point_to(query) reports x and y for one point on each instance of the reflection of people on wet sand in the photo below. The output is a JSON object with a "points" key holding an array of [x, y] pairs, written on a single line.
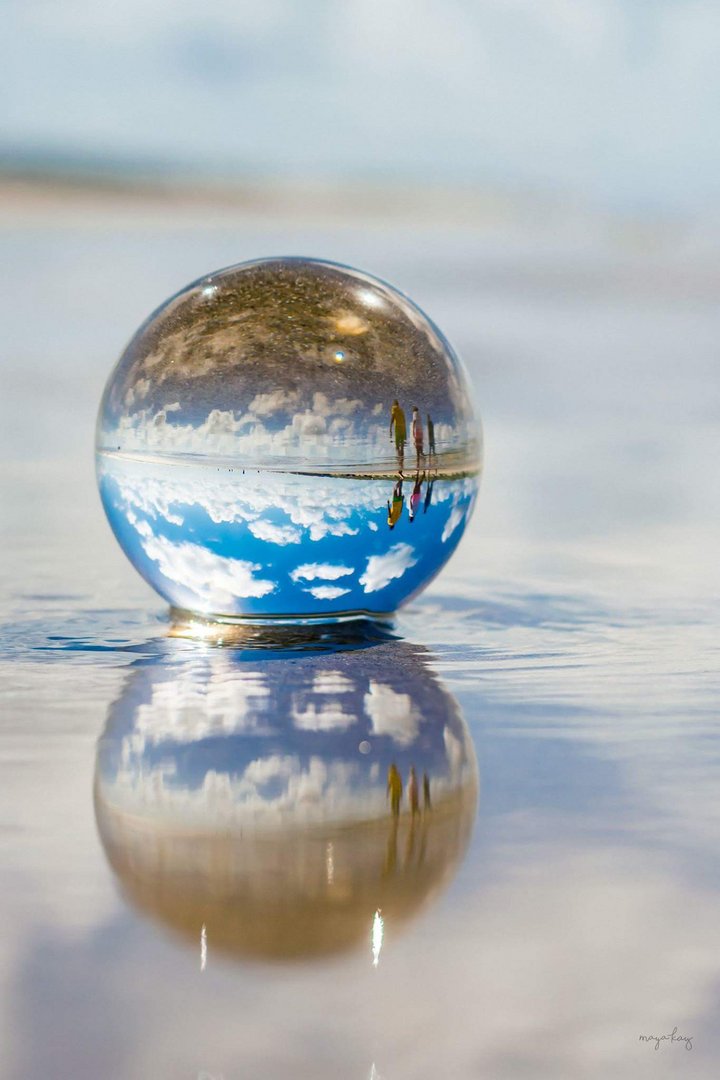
{"points": [[427, 805], [415, 497], [416, 430], [398, 500], [391, 853], [410, 842], [423, 843], [428, 494], [397, 421], [394, 788], [413, 794]]}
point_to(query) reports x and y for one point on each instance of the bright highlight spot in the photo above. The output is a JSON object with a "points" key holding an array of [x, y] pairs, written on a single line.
{"points": [[370, 298], [203, 947]]}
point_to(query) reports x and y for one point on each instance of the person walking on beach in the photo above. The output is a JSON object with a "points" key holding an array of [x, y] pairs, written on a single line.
{"points": [[416, 430], [394, 789], [398, 424], [431, 436]]}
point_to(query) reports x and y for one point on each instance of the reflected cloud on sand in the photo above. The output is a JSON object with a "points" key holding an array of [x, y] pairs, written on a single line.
{"points": [[245, 796]]}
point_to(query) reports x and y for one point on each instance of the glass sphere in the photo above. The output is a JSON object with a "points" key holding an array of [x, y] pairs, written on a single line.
{"points": [[282, 808], [288, 438]]}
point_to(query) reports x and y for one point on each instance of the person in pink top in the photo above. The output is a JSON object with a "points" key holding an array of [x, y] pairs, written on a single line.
{"points": [[416, 433]]}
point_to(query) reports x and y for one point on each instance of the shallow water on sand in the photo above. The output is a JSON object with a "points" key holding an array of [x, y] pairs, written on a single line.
{"points": [[559, 897]]}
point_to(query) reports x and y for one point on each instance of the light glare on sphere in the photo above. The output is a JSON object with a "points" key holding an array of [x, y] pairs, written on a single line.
{"points": [[288, 438]]}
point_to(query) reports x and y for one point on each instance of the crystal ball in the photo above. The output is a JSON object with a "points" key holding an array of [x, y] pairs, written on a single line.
{"points": [[288, 438], [281, 806]]}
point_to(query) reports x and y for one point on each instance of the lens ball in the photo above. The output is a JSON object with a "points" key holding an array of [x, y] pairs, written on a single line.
{"points": [[288, 439]]}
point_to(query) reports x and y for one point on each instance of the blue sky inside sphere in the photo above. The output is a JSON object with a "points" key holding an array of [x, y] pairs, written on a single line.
{"points": [[216, 540]]}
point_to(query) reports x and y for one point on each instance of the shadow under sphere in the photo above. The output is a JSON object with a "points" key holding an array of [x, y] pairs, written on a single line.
{"points": [[279, 806]]}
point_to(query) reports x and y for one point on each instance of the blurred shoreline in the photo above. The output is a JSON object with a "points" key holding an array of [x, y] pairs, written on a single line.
{"points": [[68, 196], [474, 239], [61, 196]]}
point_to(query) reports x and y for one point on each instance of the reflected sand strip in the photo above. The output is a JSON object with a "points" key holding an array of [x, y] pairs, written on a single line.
{"points": [[270, 895]]}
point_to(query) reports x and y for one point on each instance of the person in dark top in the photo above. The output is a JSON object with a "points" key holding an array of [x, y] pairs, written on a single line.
{"points": [[430, 435]]}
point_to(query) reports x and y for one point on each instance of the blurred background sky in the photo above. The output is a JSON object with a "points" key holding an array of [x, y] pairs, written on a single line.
{"points": [[609, 103]]}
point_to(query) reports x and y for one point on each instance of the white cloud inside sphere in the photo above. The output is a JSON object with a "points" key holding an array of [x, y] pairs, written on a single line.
{"points": [[382, 569], [326, 592], [314, 506], [329, 431], [216, 580], [324, 571], [275, 534]]}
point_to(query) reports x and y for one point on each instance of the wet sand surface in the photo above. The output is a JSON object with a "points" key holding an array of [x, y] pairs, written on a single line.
{"points": [[575, 630]]}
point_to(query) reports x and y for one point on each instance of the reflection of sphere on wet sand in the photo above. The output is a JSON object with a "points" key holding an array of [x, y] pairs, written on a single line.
{"points": [[249, 796]]}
